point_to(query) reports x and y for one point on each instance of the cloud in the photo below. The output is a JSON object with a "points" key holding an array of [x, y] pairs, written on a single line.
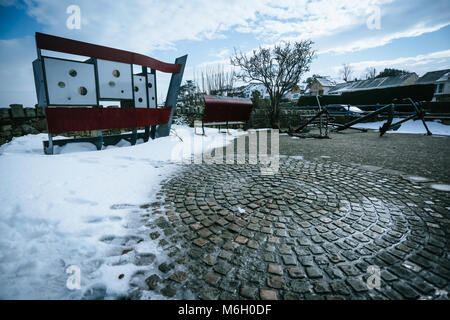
{"points": [[221, 54], [422, 63], [156, 28], [150, 25], [373, 42]]}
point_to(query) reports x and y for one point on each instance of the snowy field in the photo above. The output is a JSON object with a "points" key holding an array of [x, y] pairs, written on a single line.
{"points": [[410, 127], [67, 209]]}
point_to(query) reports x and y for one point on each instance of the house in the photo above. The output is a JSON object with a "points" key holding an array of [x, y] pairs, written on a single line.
{"points": [[295, 93], [441, 80], [248, 90], [320, 86], [375, 83]]}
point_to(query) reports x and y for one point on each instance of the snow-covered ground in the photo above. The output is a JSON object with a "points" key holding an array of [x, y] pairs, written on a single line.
{"points": [[67, 209], [410, 127]]}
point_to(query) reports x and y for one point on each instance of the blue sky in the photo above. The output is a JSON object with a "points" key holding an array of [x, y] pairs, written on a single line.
{"points": [[411, 35]]}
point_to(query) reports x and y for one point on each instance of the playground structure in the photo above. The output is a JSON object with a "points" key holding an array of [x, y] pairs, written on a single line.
{"points": [[71, 91], [319, 119], [224, 111], [388, 125], [390, 109]]}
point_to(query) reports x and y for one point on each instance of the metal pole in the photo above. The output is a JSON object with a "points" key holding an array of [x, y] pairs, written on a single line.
{"points": [[421, 114], [320, 112], [374, 113], [171, 100]]}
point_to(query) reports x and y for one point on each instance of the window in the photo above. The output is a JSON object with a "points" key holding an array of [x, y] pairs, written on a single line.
{"points": [[440, 88]]}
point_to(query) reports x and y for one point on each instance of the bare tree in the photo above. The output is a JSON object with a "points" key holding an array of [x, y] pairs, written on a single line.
{"points": [[215, 80], [278, 69], [346, 72], [371, 73]]}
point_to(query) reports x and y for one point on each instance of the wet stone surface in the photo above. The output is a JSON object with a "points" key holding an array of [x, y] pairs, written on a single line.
{"points": [[311, 231]]}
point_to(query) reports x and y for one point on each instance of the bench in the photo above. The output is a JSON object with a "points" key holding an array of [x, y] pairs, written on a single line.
{"points": [[225, 111], [71, 91]]}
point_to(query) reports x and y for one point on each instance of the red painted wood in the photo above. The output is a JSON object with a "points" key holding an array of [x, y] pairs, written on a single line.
{"points": [[53, 43], [61, 120], [222, 109], [152, 117]]}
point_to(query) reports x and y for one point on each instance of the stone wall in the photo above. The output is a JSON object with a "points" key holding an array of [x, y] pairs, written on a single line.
{"points": [[18, 121]]}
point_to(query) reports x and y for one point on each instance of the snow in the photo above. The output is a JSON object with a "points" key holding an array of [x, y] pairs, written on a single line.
{"points": [[410, 127], [355, 109], [417, 179], [81, 207], [441, 187]]}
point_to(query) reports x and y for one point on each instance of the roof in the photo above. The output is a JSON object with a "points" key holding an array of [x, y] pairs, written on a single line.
{"points": [[384, 82], [433, 76], [445, 77], [326, 82], [254, 86], [226, 100]]}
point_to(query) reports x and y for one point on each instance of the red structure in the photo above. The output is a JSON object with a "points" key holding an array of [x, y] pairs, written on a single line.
{"points": [[61, 120], [71, 91], [224, 111]]}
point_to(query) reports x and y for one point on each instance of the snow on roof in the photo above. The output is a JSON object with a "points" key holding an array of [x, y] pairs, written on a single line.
{"points": [[326, 82], [384, 82], [444, 78], [433, 76]]}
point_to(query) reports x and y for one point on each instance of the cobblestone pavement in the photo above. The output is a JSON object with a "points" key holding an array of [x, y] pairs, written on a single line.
{"points": [[309, 232], [412, 153]]}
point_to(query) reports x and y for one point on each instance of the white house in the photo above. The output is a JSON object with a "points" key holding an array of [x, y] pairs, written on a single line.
{"points": [[256, 87], [296, 92], [441, 80]]}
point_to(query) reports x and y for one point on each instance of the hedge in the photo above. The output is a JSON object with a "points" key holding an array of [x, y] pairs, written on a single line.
{"points": [[417, 92]]}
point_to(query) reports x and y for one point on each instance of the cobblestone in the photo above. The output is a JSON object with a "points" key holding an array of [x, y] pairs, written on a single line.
{"points": [[308, 232]]}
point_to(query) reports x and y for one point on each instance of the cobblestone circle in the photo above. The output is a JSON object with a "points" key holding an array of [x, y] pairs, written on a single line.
{"points": [[309, 232]]}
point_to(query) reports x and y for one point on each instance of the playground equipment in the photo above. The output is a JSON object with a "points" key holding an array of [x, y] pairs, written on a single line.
{"points": [[388, 125], [320, 119], [420, 114], [226, 111], [71, 91]]}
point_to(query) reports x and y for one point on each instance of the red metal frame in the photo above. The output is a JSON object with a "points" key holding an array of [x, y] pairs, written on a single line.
{"points": [[53, 43], [64, 119], [61, 120]]}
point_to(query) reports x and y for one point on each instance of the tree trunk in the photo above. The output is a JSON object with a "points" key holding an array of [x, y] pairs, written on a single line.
{"points": [[275, 114]]}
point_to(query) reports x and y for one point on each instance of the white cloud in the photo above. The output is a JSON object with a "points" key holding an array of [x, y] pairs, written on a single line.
{"points": [[373, 42], [221, 54], [422, 63], [147, 26]]}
